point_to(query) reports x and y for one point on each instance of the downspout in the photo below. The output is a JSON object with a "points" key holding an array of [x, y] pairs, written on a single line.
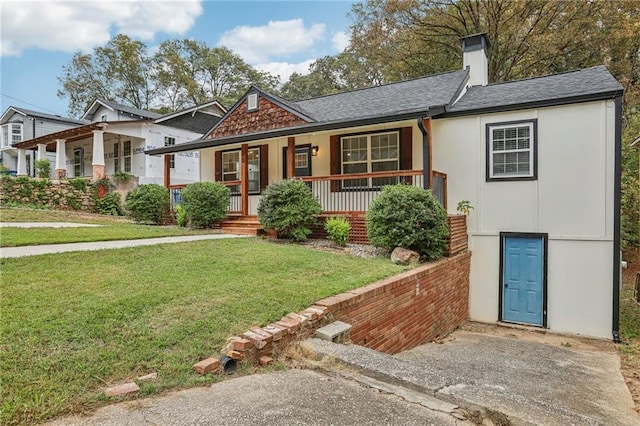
{"points": [[616, 219], [426, 160]]}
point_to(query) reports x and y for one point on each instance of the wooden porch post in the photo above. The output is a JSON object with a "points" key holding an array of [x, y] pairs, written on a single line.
{"points": [[291, 155], [244, 179], [167, 170], [429, 135]]}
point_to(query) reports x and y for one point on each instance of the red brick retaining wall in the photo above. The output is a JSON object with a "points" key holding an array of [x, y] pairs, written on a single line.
{"points": [[390, 315], [404, 311]]}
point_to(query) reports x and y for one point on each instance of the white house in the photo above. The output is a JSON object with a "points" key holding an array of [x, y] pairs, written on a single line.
{"points": [[539, 159], [113, 138], [19, 124]]}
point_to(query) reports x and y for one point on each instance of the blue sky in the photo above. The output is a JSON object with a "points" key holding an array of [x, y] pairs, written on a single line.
{"points": [[37, 38]]}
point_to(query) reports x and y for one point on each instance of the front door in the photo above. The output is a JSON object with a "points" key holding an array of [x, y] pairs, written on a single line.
{"points": [[302, 161], [522, 278]]}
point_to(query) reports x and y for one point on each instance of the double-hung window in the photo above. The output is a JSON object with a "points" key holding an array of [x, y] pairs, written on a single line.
{"points": [[231, 169], [126, 156], [511, 151], [168, 141], [11, 133], [116, 157], [377, 152], [78, 162]]}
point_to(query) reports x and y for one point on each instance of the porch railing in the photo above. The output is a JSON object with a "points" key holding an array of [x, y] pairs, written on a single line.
{"points": [[343, 193], [355, 192]]}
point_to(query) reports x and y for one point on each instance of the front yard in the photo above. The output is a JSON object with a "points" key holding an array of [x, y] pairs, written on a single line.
{"points": [[75, 323], [111, 228]]}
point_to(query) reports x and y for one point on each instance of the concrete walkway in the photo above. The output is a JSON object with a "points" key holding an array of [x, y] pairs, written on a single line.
{"points": [[292, 397], [46, 225], [7, 252], [527, 382]]}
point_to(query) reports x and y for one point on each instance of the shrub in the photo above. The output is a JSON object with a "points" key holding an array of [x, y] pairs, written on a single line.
{"points": [[338, 230], [73, 202], [205, 203], [409, 217], [181, 216], [79, 184], [43, 168], [289, 208], [148, 203], [110, 204]]}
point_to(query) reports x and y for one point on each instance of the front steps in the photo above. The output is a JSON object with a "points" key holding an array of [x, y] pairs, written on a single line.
{"points": [[242, 225]]}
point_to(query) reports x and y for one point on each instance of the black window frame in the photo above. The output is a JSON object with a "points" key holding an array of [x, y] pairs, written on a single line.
{"points": [[534, 147]]}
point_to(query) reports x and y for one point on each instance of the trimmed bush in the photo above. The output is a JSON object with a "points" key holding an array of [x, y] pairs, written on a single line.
{"points": [[43, 168], [338, 230], [110, 204], [410, 217], [181, 216], [205, 203], [148, 203], [289, 208]]}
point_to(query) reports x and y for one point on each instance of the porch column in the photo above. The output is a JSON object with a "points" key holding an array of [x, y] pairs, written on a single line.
{"points": [[22, 162], [61, 159], [244, 179], [97, 161], [291, 155], [42, 151], [167, 170]]}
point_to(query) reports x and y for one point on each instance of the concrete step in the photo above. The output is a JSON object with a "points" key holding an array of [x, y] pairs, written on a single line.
{"points": [[405, 379]]}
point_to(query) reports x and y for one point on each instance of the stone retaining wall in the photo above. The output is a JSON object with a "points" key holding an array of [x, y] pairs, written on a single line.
{"points": [[53, 194], [391, 315]]}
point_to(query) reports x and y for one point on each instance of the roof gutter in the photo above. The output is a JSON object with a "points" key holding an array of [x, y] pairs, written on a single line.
{"points": [[289, 131], [615, 321], [426, 159]]}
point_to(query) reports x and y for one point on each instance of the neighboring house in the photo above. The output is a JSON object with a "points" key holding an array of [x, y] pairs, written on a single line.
{"points": [[539, 159], [20, 124], [114, 137]]}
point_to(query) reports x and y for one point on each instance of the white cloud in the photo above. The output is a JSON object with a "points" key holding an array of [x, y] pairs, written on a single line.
{"points": [[285, 69], [81, 25], [277, 38], [340, 41]]}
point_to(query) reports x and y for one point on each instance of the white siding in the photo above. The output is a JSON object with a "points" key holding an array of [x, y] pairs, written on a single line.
{"points": [[572, 201]]}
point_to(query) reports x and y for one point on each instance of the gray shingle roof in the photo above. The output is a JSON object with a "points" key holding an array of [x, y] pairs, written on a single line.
{"points": [[396, 98], [131, 110], [572, 84], [48, 116]]}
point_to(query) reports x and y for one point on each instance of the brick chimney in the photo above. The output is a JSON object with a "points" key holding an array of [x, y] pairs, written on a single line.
{"points": [[475, 58]]}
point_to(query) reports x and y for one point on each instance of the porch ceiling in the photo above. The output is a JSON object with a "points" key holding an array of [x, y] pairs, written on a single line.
{"points": [[70, 135]]}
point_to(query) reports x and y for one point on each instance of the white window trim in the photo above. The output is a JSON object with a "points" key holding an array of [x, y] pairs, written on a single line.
{"points": [[239, 168], [170, 141], [8, 141], [252, 102], [125, 156], [532, 175], [368, 161]]}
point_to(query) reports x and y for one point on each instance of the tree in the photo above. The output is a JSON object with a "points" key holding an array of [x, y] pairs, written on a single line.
{"points": [[118, 71], [535, 37], [189, 72], [331, 74]]}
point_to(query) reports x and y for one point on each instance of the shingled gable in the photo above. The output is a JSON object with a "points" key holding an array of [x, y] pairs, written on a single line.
{"points": [[271, 113]]}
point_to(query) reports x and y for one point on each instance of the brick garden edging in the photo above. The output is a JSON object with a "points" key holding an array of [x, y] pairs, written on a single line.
{"points": [[391, 315]]}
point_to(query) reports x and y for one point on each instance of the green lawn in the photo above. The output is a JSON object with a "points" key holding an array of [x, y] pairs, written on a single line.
{"points": [[74, 323], [112, 228]]}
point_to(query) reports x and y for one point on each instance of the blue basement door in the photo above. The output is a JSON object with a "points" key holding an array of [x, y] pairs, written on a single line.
{"points": [[522, 290]]}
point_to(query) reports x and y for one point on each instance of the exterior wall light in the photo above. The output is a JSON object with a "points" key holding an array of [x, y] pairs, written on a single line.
{"points": [[314, 150]]}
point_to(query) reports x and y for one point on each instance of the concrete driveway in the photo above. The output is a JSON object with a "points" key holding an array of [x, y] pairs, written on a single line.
{"points": [[292, 397], [524, 381]]}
